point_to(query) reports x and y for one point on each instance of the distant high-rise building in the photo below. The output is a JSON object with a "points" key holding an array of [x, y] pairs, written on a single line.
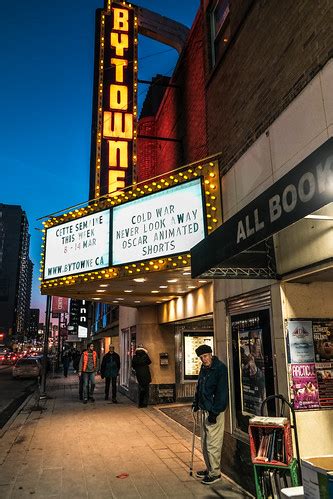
{"points": [[33, 323], [15, 272]]}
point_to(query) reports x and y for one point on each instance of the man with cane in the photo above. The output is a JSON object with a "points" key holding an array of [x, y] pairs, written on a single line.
{"points": [[211, 398]]}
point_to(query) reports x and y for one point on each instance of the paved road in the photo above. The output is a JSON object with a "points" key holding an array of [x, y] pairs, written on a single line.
{"points": [[13, 393]]}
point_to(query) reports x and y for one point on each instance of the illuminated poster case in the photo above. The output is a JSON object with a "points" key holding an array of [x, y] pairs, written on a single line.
{"points": [[252, 372], [192, 362]]}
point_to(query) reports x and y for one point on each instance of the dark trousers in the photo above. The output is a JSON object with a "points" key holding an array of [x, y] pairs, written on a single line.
{"points": [[81, 387], [143, 395], [114, 387]]}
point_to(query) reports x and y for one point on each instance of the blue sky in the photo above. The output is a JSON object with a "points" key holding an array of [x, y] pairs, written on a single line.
{"points": [[46, 53]]}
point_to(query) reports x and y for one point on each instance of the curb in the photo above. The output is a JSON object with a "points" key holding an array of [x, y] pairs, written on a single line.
{"points": [[12, 418]]}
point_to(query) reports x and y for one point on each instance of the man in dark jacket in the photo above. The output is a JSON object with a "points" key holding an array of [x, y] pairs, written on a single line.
{"points": [[110, 370], [140, 364], [211, 398]]}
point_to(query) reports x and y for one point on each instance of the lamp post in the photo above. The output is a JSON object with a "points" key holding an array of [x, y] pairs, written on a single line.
{"points": [[45, 346]]}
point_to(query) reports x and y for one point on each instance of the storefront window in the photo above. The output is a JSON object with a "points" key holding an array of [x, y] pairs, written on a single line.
{"points": [[252, 364], [192, 363]]}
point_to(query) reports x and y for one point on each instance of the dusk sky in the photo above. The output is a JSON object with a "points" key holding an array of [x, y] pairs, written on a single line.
{"points": [[47, 54]]}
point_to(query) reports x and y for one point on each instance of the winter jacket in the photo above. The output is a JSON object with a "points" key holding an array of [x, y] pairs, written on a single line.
{"points": [[110, 365], [140, 363], [212, 388]]}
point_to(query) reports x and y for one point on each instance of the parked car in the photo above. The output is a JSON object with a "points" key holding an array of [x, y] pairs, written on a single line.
{"points": [[10, 358], [27, 367]]}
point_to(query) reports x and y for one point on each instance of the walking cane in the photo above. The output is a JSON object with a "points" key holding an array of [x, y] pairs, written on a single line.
{"points": [[193, 440]]}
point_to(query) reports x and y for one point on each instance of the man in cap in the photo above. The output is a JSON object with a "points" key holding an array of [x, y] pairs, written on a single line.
{"points": [[211, 398]]}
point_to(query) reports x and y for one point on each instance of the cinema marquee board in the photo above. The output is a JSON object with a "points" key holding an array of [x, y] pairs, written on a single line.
{"points": [[205, 172], [78, 246], [165, 223], [115, 101]]}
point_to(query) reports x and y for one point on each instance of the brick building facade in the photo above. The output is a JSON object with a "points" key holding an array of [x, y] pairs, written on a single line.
{"points": [[181, 115], [274, 51], [252, 84]]}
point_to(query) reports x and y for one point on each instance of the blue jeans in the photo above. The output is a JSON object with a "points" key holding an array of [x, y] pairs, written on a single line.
{"points": [[88, 377]]}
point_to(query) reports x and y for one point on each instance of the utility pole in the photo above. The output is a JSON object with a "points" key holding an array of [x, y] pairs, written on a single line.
{"points": [[45, 346], [59, 341]]}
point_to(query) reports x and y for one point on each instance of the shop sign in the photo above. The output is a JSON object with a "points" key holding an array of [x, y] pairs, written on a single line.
{"points": [[304, 190], [115, 100], [83, 319], [165, 223], [81, 245], [59, 306]]}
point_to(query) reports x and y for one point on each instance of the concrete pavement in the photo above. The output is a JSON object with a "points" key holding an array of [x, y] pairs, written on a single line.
{"points": [[99, 450]]}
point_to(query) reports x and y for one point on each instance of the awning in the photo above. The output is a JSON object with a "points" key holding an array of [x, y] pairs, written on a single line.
{"points": [[238, 244]]}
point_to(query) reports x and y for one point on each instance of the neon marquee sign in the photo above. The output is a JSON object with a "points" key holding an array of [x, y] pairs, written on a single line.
{"points": [[117, 93]]}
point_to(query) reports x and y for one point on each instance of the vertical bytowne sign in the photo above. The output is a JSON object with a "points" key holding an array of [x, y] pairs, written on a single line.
{"points": [[114, 122]]}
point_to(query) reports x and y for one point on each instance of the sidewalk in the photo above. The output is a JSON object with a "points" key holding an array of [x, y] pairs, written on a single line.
{"points": [[71, 450]]}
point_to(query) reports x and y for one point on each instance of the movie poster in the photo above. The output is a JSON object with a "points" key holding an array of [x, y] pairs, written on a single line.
{"points": [[310, 356], [252, 375], [325, 383], [300, 342], [304, 386], [323, 340]]}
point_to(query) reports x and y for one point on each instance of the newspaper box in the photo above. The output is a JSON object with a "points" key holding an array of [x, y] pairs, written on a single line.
{"points": [[317, 473]]}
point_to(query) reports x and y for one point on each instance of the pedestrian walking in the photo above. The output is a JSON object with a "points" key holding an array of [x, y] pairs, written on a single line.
{"points": [[211, 398], [140, 364], [65, 360], [110, 370], [88, 368], [80, 375]]}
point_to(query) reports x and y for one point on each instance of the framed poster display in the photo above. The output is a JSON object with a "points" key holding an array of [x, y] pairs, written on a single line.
{"points": [[252, 373], [310, 358], [192, 362]]}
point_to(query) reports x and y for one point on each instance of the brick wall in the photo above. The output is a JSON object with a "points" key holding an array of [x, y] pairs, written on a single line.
{"points": [[182, 113], [277, 50], [147, 149]]}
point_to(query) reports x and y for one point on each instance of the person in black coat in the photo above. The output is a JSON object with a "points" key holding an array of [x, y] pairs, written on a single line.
{"points": [[140, 364], [65, 360], [110, 370]]}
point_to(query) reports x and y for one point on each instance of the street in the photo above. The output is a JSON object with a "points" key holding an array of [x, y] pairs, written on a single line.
{"points": [[13, 392]]}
